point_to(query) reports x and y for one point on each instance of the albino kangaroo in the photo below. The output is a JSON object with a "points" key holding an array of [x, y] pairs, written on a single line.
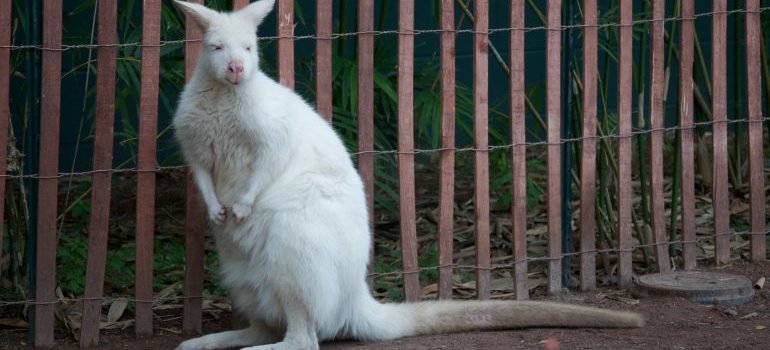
{"points": [[289, 215]]}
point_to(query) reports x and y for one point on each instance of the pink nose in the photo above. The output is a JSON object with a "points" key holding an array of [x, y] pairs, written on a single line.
{"points": [[235, 71]]}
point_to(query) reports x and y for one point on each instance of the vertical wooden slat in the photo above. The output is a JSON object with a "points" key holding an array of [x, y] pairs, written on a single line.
{"points": [[686, 134], [553, 114], [104, 120], [481, 143], [50, 98], [323, 58], [447, 161], [406, 149], [518, 152], [239, 4], [195, 216], [5, 112], [145, 186], [657, 88], [285, 30], [588, 156], [366, 103], [720, 198], [756, 156], [625, 62]]}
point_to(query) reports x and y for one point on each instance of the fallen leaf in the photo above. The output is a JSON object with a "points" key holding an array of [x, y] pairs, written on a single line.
{"points": [[13, 322], [116, 310]]}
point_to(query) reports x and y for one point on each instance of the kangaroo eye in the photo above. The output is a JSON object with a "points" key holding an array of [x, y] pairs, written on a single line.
{"points": [[216, 47]]}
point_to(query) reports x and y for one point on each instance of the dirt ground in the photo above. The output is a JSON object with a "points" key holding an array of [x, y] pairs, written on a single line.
{"points": [[673, 323]]}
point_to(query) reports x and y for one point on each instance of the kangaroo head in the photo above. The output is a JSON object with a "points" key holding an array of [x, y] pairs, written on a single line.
{"points": [[229, 45]]}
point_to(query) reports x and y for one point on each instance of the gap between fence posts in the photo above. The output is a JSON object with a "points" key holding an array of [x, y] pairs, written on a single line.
{"points": [[104, 119]]}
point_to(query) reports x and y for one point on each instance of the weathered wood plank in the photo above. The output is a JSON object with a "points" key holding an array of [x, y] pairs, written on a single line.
{"points": [[447, 161], [238, 4], [553, 116], [625, 63], [195, 217], [145, 186], [50, 99], [5, 112], [323, 58], [285, 31], [481, 144], [365, 106], [756, 154], [720, 199], [518, 152], [104, 120], [588, 155], [657, 89], [406, 149], [686, 60]]}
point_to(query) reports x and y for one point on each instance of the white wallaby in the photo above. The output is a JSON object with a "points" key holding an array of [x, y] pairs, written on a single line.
{"points": [[289, 217]]}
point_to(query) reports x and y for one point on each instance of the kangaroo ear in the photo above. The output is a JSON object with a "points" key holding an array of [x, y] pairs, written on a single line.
{"points": [[256, 12], [201, 15]]}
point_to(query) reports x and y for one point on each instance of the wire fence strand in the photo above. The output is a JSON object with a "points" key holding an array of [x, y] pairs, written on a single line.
{"points": [[336, 36]]}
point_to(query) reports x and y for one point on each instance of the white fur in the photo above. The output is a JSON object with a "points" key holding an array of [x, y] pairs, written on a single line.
{"points": [[287, 206]]}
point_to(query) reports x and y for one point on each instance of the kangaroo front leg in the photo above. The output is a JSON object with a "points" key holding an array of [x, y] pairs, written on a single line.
{"points": [[243, 206], [300, 332], [216, 211]]}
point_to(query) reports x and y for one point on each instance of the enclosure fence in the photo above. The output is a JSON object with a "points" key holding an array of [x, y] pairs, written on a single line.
{"points": [[48, 176]]}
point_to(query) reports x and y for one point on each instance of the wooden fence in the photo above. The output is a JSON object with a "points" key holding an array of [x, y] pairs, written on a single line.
{"points": [[48, 176]]}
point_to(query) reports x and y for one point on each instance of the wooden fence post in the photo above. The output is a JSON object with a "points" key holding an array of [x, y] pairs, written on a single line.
{"points": [[588, 159], [447, 161], [720, 200], [104, 120], [323, 58], [481, 144], [553, 115], [285, 30], [145, 177], [365, 106], [625, 62], [195, 217], [518, 152], [50, 98], [686, 108], [406, 150], [657, 89], [756, 149]]}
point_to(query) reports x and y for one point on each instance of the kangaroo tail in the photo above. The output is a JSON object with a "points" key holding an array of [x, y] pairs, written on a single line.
{"points": [[390, 321]]}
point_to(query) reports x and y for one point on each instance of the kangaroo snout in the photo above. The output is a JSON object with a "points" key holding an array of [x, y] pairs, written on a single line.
{"points": [[235, 71]]}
